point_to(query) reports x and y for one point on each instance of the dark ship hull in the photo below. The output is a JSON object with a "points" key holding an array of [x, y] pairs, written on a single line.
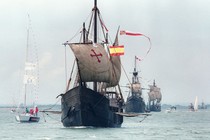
{"points": [[135, 104], [84, 107], [155, 108]]}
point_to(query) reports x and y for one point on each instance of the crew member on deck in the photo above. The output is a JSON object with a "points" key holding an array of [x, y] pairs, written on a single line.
{"points": [[27, 110], [31, 111], [36, 110]]}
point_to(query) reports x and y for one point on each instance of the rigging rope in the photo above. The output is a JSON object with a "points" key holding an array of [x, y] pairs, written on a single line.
{"points": [[53, 105], [65, 67], [43, 111], [126, 75], [50, 117], [143, 119], [78, 31]]}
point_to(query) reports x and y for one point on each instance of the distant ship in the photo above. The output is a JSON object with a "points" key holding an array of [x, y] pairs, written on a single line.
{"points": [[95, 98], [155, 97], [135, 102], [202, 106], [171, 109], [191, 107]]}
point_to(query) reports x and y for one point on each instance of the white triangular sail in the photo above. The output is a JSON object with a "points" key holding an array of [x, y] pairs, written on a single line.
{"points": [[196, 104]]}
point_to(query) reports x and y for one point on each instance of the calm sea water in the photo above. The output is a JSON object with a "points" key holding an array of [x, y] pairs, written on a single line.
{"points": [[178, 125]]}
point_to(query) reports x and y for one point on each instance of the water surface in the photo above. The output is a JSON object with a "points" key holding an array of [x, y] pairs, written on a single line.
{"points": [[178, 125]]}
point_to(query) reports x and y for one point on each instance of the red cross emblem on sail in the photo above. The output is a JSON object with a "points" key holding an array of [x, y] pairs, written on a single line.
{"points": [[96, 55]]}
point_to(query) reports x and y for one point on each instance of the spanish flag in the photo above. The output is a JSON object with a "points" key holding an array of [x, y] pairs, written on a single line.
{"points": [[116, 50]]}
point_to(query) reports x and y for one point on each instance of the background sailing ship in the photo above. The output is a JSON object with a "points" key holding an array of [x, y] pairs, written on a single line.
{"points": [[135, 102], [155, 96], [94, 98], [202, 106]]}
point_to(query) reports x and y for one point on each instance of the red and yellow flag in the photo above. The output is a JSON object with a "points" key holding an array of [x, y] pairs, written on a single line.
{"points": [[116, 50]]}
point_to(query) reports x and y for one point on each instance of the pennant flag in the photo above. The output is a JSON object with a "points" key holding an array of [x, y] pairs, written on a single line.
{"points": [[130, 33], [116, 50], [123, 32]]}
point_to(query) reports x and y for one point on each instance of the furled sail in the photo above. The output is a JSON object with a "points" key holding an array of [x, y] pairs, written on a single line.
{"points": [[94, 64]]}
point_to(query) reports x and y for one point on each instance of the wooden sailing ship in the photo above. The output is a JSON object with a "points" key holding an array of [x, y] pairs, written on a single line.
{"points": [[135, 103], [155, 97], [95, 99]]}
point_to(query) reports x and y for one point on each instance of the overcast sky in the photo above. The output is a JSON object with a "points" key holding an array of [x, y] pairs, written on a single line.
{"points": [[179, 31]]}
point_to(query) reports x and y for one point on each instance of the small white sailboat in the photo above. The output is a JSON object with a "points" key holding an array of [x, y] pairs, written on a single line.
{"points": [[30, 86], [196, 104], [171, 109], [194, 107], [27, 117]]}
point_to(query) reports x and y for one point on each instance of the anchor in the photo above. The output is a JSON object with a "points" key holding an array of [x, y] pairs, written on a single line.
{"points": [[96, 55]]}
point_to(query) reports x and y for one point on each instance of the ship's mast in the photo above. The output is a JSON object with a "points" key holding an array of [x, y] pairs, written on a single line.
{"points": [[95, 21], [154, 83], [135, 65], [135, 73], [95, 33], [26, 73]]}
